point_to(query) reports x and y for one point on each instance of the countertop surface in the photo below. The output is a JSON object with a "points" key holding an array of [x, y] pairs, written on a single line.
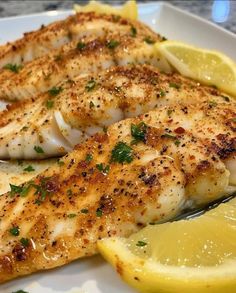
{"points": [[222, 12]]}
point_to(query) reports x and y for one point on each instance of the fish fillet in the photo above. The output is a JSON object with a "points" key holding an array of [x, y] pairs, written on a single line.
{"points": [[54, 124], [91, 54], [140, 170], [53, 36]]}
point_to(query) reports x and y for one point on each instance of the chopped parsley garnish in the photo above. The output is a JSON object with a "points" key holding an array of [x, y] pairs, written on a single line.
{"points": [[84, 211], [177, 142], [133, 32], [149, 40], [60, 163], [234, 119], [139, 131], [122, 153], [98, 212], [25, 128], [169, 112], [116, 17], [112, 44], [212, 103], [227, 99], [15, 231], [15, 189], [20, 291], [161, 93], [174, 85], [69, 192], [102, 168], [89, 158], [13, 67], [167, 135], [141, 243], [104, 129], [71, 216], [91, 105], [58, 58], [49, 104], [90, 85], [29, 169], [80, 45], [38, 149], [54, 91], [24, 242]]}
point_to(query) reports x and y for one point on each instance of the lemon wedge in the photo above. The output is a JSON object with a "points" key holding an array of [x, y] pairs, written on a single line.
{"points": [[128, 10], [186, 256], [206, 66]]}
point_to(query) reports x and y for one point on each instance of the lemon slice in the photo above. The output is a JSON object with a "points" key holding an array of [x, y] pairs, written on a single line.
{"points": [[209, 67], [128, 10], [187, 256]]}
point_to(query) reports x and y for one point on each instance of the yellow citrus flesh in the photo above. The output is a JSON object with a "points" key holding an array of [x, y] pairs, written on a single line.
{"points": [[187, 256], [209, 67], [128, 10]]}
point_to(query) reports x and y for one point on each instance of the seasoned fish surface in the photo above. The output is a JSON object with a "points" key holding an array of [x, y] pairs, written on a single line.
{"points": [[91, 54], [53, 36], [138, 171], [53, 123]]}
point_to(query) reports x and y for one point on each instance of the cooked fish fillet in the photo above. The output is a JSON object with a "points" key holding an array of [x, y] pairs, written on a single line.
{"points": [[18, 172], [53, 36], [140, 170], [83, 106], [92, 54]]}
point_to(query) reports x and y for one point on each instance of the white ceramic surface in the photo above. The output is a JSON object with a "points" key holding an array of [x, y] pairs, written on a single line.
{"points": [[94, 275]]}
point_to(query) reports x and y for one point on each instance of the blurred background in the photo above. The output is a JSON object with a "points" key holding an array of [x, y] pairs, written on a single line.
{"points": [[222, 12]]}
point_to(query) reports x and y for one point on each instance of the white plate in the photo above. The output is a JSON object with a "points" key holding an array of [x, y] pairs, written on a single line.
{"points": [[94, 275]]}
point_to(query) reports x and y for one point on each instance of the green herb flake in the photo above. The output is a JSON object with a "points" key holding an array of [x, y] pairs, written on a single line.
{"points": [[167, 135], [99, 213], [116, 17], [49, 104], [13, 67], [175, 85], [149, 40], [112, 44], [15, 231], [20, 291], [104, 129], [177, 142], [20, 162], [227, 99], [69, 192], [58, 58], [84, 211], [89, 158], [122, 153], [25, 128], [102, 168], [169, 112], [29, 169], [38, 149], [141, 243], [161, 94], [212, 103], [234, 119], [15, 189], [163, 39], [90, 85], [54, 91], [60, 163], [91, 105], [81, 46], [139, 131], [133, 31], [24, 242], [71, 216]]}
